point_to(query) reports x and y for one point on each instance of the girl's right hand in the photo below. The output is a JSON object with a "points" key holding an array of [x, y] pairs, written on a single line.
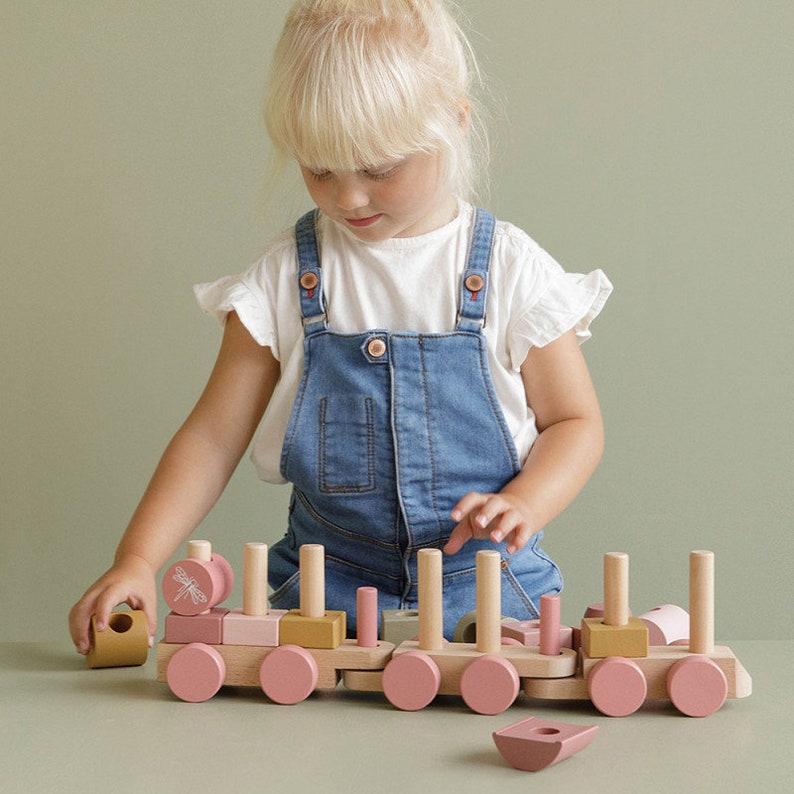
{"points": [[129, 581]]}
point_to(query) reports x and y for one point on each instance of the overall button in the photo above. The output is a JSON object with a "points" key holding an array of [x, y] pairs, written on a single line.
{"points": [[309, 280], [376, 347], [474, 283]]}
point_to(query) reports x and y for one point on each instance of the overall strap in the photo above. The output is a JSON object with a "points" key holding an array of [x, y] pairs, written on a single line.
{"points": [[310, 285], [474, 285]]}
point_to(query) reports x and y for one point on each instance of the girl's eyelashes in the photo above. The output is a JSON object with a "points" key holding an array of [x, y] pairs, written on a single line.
{"points": [[382, 172], [319, 176]]}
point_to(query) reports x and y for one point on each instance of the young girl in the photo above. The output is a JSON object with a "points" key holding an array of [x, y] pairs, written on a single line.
{"points": [[414, 364]]}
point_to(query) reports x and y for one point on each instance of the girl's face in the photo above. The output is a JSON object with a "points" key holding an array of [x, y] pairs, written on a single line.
{"points": [[401, 198]]}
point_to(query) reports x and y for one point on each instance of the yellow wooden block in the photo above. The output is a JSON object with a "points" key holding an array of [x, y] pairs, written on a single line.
{"points": [[600, 640], [325, 632]]}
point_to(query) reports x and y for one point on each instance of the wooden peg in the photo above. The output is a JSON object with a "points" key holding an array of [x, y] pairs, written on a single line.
{"points": [[199, 550], [312, 575], [431, 610], [616, 588], [701, 602], [489, 601], [255, 579]]}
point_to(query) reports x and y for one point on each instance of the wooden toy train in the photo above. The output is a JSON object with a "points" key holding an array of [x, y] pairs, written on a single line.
{"points": [[612, 660]]}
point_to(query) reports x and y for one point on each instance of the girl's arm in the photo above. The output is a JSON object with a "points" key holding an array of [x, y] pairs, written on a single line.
{"points": [[191, 475], [566, 453]]}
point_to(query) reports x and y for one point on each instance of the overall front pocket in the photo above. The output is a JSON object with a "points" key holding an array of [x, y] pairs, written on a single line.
{"points": [[346, 445]]}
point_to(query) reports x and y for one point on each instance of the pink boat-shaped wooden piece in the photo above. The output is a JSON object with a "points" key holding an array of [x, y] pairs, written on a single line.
{"points": [[533, 744]]}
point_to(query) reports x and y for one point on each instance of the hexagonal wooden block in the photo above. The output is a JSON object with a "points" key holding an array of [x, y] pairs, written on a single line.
{"points": [[399, 625], [324, 632], [600, 640], [207, 628], [240, 629]]}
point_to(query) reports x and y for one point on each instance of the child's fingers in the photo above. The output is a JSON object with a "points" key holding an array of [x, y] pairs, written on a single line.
{"points": [[458, 537], [79, 619], [471, 501], [520, 538]]}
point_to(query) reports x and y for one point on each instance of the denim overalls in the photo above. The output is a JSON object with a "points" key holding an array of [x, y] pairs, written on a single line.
{"points": [[389, 430]]}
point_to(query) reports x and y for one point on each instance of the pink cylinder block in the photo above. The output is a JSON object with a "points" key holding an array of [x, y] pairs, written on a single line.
{"points": [[550, 625], [192, 586], [367, 617]]}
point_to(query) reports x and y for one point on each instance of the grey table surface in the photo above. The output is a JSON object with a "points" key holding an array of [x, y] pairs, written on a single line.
{"points": [[65, 728]]}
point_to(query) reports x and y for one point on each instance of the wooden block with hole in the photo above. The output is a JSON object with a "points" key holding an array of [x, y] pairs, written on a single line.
{"points": [[398, 625], [600, 640], [327, 631]]}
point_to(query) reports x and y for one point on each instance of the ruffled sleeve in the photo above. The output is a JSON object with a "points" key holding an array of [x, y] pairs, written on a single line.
{"points": [[563, 301], [243, 295]]}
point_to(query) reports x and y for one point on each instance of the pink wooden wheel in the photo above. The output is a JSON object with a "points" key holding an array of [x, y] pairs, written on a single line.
{"points": [[288, 674], [489, 684], [196, 672], [411, 681], [617, 686], [697, 686]]}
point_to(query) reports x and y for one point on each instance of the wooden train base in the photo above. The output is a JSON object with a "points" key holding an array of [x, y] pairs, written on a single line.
{"points": [[291, 654]]}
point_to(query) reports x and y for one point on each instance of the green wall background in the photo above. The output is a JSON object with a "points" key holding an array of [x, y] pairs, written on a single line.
{"points": [[652, 139]]}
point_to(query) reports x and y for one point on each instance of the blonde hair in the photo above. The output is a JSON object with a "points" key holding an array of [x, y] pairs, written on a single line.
{"points": [[357, 83]]}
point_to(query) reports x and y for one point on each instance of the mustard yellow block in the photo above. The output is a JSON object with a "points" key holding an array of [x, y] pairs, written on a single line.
{"points": [[600, 640], [324, 632]]}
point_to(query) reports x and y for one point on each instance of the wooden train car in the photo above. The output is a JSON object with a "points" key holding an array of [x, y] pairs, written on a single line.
{"points": [[291, 654]]}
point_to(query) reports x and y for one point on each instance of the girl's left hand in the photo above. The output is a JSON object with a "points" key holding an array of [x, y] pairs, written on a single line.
{"points": [[498, 516]]}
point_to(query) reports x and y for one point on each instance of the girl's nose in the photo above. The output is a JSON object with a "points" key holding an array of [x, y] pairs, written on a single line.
{"points": [[350, 193]]}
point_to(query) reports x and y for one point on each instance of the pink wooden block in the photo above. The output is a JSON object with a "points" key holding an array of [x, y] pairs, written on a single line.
{"points": [[240, 629], [697, 686], [533, 744], [288, 674], [666, 624], [196, 672], [192, 586], [367, 617], [489, 684], [196, 628], [617, 686], [411, 681]]}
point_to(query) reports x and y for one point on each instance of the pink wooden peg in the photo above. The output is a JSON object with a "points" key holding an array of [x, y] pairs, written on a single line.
{"points": [[550, 625], [367, 617]]}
